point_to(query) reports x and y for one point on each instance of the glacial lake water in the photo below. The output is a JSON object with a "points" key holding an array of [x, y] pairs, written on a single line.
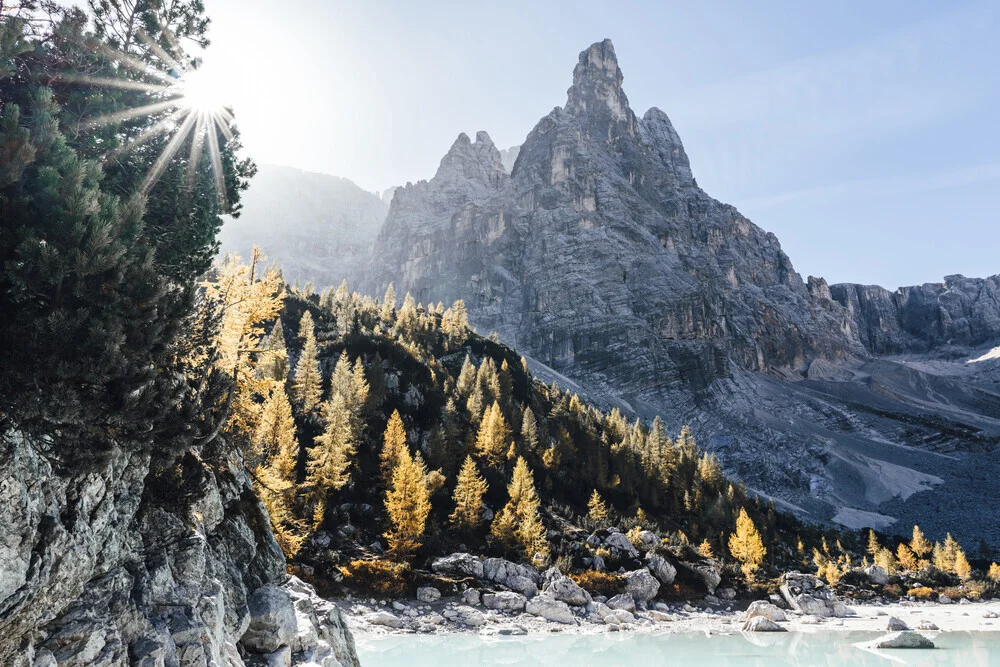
{"points": [[826, 649]]}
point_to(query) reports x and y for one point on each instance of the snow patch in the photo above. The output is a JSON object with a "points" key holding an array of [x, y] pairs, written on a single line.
{"points": [[855, 519], [989, 356]]}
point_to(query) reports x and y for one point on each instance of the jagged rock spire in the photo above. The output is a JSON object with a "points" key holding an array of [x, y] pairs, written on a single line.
{"points": [[479, 160], [597, 85]]}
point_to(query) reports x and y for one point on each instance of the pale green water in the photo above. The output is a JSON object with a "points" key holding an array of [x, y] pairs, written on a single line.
{"points": [[826, 649]]}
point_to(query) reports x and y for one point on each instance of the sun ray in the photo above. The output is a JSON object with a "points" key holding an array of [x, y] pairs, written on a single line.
{"points": [[168, 152], [128, 114], [133, 64], [165, 57], [197, 143], [220, 181], [162, 127], [106, 82], [223, 125]]}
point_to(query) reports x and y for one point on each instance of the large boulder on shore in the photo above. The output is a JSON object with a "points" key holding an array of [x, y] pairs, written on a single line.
{"points": [[551, 609], [516, 577], [762, 624], [808, 594], [505, 601], [765, 609], [703, 575], [661, 568], [641, 585], [564, 589], [459, 564]]}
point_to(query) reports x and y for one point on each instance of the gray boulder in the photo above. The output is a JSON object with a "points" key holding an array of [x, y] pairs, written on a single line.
{"points": [[505, 601], [551, 609], [621, 543], [905, 639], [272, 620], [428, 594], [385, 619], [520, 578], [877, 574], [661, 568], [765, 609], [565, 589], [459, 564], [641, 585], [895, 625], [622, 601]]}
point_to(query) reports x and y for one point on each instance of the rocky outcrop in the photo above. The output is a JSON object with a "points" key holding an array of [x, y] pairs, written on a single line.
{"points": [[117, 564], [906, 639]]}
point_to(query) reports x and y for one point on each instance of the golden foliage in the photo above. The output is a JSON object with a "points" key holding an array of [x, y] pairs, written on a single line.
{"points": [[393, 444], [919, 544], [519, 520], [382, 577], [493, 437], [307, 385], [468, 497], [746, 546], [705, 549], [407, 503], [993, 574], [597, 511], [907, 559], [599, 583]]}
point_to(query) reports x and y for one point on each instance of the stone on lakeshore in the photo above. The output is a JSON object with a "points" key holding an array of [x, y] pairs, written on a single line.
{"points": [[765, 609], [272, 620], [622, 601], [551, 609], [895, 625], [384, 618], [662, 569], [761, 624], [904, 639], [520, 578], [504, 601], [459, 563], [428, 594], [641, 585]]}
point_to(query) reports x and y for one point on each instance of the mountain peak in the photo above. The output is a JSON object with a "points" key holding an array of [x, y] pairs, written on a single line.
{"points": [[597, 84], [467, 159]]}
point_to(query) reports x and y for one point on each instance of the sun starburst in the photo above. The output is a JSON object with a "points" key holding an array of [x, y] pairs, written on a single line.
{"points": [[190, 103]]}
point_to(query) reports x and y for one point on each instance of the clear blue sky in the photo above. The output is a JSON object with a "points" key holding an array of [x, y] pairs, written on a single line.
{"points": [[863, 134]]}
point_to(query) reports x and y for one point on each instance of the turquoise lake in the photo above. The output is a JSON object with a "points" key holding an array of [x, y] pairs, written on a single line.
{"points": [[828, 649]]}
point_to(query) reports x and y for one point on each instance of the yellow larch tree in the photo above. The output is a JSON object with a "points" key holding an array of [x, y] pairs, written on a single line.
{"points": [[307, 385], [331, 456], [393, 444], [746, 546], [407, 503], [597, 510], [920, 547], [519, 521], [493, 439], [907, 559], [468, 497]]}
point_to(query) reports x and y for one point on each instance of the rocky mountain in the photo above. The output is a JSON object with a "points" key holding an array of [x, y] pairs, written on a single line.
{"points": [[318, 227], [599, 257]]}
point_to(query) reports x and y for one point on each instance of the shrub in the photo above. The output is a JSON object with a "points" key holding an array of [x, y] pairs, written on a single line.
{"points": [[893, 590], [378, 576], [599, 583], [923, 593]]}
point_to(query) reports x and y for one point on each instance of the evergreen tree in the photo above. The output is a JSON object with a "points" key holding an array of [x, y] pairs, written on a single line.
{"points": [[468, 497], [274, 360], [873, 545], [907, 559], [407, 503], [393, 444], [466, 378], [493, 438], [331, 455], [919, 544], [597, 511], [705, 549], [994, 573], [275, 434], [529, 431], [746, 546], [519, 521], [388, 304], [307, 386], [962, 567]]}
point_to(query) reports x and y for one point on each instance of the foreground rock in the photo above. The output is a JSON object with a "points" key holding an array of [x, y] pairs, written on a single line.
{"points": [[766, 610], [807, 594], [565, 589], [140, 577], [905, 639]]}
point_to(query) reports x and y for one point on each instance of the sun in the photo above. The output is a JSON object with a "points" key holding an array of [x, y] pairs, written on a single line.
{"points": [[201, 92]]}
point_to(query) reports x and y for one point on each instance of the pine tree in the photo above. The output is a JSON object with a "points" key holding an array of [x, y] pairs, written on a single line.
{"points": [[597, 511], [407, 503], [468, 497], [919, 544], [962, 567], [529, 431], [907, 559], [705, 549], [275, 434], [746, 546], [332, 452], [273, 364], [873, 545], [466, 378], [393, 444], [519, 520], [307, 386], [994, 573], [388, 304], [493, 438]]}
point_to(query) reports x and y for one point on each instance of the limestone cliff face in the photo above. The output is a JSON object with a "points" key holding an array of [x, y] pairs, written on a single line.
{"points": [[599, 244], [117, 564], [599, 257]]}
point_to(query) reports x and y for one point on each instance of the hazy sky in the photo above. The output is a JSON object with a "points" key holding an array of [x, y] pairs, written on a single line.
{"points": [[863, 134]]}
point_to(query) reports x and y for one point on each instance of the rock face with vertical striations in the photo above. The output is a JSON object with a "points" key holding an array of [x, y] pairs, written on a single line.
{"points": [[600, 258]]}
